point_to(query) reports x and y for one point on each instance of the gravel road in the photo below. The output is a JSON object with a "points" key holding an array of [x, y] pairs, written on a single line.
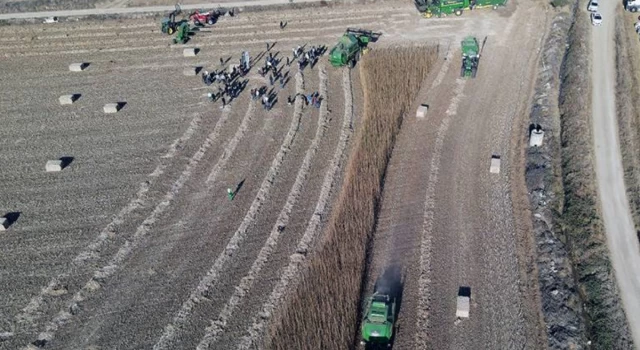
{"points": [[621, 234]]}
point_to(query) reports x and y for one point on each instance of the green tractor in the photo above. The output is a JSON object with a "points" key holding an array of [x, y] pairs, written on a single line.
{"points": [[441, 8], [378, 322], [348, 49], [169, 24], [183, 33], [470, 57]]}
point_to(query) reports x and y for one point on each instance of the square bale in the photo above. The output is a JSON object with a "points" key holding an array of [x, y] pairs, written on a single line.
{"points": [[422, 111], [495, 165], [462, 306], [190, 52], [78, 67], [4, 224], [191, 71], [68, 99], [112, 107], [53, 165]]}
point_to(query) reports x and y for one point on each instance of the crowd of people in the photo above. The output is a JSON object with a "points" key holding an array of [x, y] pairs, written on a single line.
{"points": [[229, 84]]}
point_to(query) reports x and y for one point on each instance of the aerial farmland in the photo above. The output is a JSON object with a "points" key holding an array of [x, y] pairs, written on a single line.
{"points": [[243, 187]]}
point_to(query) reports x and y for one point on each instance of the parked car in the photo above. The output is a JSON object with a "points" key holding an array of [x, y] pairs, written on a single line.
{"points": [[593, 6], [596, 18]]}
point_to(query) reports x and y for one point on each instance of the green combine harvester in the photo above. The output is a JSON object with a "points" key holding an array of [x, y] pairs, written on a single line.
{"points": [[183, 33], [441, 8], [348, 49], [470, 57], [378, 323]]}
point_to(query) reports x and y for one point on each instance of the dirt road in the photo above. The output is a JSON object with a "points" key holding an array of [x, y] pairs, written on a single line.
{"points": [[621, 235], [146, 9], [445, 219]]}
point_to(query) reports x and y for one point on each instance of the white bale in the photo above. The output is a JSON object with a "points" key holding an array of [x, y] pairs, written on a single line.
{"points": [[190, 52], [190, 71], [422, 111], [495, 165], [77, 67], [111, 108], [66, 99], [462, 308], [53, 165], [537, 135], [4, 224]]}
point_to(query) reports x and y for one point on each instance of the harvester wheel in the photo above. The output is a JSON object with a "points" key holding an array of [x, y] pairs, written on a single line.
{"points": [[634, 9], [170, 30], [210, 21], [352, 63], [462, 71], [474, 70], [458, 12]]}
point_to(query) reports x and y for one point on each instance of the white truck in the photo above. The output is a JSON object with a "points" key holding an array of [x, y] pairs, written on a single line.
{"points": [[632, 5]]}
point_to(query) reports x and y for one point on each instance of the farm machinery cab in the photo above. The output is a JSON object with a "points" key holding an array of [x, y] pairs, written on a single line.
{"points": [[348, 49], [441, 8], [183, 33], [381, 310], [470, 57], [169, 24]]}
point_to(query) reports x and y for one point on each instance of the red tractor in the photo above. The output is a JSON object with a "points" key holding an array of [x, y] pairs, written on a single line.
{"points": [[201, 18]]}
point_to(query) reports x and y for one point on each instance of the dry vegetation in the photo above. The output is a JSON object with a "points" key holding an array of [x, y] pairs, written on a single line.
{"points": [[323, 310], [628, 92], [579, 219]]}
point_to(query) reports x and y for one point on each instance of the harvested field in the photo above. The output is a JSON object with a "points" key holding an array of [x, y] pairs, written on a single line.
{"points": [[135, 244], [445, 221]]}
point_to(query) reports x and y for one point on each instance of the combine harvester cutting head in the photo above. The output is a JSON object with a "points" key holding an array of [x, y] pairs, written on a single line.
{"points": [[470, 57], [350, 46]]}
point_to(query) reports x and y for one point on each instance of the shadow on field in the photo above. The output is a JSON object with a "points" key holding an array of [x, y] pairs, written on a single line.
{"points": [[11, 218], [66, 161]]}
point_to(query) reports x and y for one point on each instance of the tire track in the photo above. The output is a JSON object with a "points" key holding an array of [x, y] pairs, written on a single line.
{"points": [[234, 244], [29, 313], [424, 280], [230, 146], [218, 326], [103, 273], [291, 273]]}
